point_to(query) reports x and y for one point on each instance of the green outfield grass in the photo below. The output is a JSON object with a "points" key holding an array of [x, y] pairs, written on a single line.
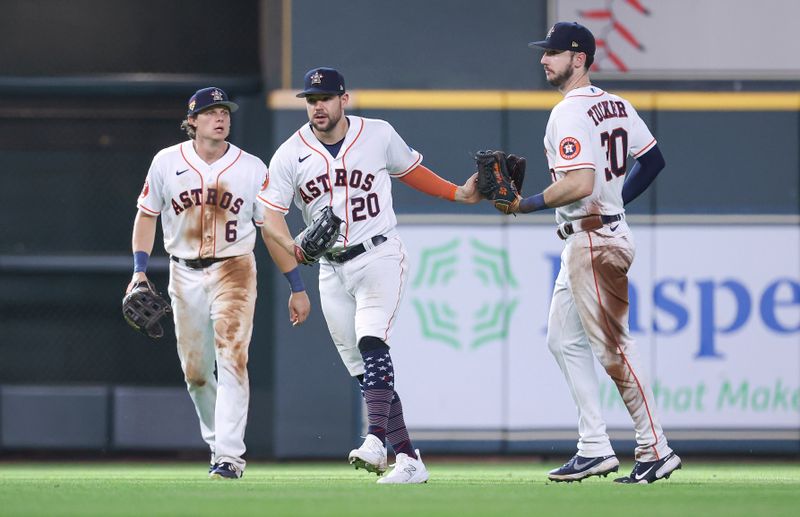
{"points": [[459, 489]]}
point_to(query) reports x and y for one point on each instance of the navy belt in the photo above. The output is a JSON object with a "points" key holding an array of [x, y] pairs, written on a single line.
{"points": [[568, 229], [199, 263], [353, 251]]}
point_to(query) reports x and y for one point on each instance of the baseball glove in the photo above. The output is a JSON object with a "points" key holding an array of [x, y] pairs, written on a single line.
{"points": [[143, 307], [500, 179], [318, 238]]}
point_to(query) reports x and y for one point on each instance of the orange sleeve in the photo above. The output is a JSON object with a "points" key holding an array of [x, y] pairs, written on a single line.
{"points": [[425, 180]]}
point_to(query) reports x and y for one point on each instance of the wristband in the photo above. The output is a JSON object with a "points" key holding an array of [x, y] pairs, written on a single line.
{"points": [[140, 261], [295, 280], [533, 203]]}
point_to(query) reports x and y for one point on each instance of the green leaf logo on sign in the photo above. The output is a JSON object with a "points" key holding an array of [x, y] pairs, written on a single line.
{"points": [[451, 308]]}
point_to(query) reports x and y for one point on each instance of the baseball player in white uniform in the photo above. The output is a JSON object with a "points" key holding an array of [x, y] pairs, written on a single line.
{"points": [[589, 137], [205, 191], [347, 163]]}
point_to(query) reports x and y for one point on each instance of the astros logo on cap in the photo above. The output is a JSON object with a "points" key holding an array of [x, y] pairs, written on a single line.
{"points": [[216, 95], [316, 78], [569, 148]]}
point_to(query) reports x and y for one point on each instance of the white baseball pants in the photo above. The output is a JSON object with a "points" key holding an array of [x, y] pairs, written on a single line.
{"points": [[361, 298], [213, 309], [588, 319]]}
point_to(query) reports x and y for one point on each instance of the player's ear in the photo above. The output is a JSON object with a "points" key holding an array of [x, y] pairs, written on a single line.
{"points": [[580, 59], [345, 99]]}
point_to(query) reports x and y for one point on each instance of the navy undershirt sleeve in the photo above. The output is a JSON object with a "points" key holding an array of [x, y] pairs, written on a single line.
{"points": [[642, 174]]}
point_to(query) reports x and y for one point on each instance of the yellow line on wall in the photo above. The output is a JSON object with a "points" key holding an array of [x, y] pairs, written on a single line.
{"points": [[728, 101], [522, 100]]}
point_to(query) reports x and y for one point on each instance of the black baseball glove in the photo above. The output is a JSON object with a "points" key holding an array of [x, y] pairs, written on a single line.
{"points": [[143, 307], [318, 238], [500, 179]]}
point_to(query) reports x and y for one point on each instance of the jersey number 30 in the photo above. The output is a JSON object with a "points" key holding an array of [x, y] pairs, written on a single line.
{"points": [[616, 144]]}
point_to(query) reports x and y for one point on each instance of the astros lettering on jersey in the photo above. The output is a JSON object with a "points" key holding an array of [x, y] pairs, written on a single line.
{"points": [[357, 185], [206, 210]]}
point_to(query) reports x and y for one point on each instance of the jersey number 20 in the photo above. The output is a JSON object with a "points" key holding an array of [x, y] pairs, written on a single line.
{"points": [[616, 144], [368, 203]]}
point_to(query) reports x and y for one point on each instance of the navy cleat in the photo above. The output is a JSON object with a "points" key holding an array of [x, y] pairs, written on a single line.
{"points": [[578, 468], [225, 470], [652, 471]]}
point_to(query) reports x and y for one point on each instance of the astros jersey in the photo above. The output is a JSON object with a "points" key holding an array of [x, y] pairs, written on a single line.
{"points": [[356, 183], [593, 129], [206, 210]]}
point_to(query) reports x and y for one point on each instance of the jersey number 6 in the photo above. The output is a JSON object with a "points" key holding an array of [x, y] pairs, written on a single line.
{"points": [[616, 144], [230, 231]]}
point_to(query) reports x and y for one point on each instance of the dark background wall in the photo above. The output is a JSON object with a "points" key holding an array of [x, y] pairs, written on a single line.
{"points": [[417, 44], [84, 37], [93, 89]]}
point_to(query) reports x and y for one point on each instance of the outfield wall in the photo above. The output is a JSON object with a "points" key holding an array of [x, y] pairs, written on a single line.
{"points": [[78, 129], [715, 310]]}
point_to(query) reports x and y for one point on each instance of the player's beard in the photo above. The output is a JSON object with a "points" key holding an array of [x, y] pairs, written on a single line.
{"points": [[559, 80], [332, 121]]}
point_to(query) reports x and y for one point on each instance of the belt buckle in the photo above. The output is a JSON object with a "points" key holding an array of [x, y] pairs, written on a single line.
{"points": [[335, 257]]}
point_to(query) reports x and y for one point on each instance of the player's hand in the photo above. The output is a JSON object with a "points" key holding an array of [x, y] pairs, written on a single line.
{"points": [[468, 192], [137, 277], [508, 208], [299, 308]]}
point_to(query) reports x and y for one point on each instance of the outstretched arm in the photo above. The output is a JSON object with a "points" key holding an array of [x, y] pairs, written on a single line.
{"points": [[642, 174], [425, 180], [575, 185]]}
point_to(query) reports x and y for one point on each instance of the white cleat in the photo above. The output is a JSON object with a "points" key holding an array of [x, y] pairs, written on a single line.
{"points": [[371, 456], [407, 470]]}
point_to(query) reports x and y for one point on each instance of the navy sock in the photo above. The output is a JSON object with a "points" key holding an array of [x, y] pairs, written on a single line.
{"points": [[378, 389], [396, 432]]}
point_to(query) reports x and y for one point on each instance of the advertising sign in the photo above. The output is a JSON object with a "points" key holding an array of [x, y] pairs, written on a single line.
{"points": [[715, 312]]}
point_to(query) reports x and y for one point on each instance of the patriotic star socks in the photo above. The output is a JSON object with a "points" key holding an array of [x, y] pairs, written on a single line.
{"points": [[384, 409], [378, 387]]}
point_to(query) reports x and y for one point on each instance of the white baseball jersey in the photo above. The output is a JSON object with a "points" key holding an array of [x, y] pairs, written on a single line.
{"points": [[593, 129], [356, 183], [206, 210]]}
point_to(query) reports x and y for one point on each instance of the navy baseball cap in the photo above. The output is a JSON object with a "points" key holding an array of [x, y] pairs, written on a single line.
{"points": [[567, 36], [322, 81], [207, 97]]}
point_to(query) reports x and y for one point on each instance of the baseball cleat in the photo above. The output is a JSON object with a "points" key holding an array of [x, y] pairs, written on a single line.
{"points": [[225, 470], [371, 456], [578, 468], [407, 470], [652, 471]]}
